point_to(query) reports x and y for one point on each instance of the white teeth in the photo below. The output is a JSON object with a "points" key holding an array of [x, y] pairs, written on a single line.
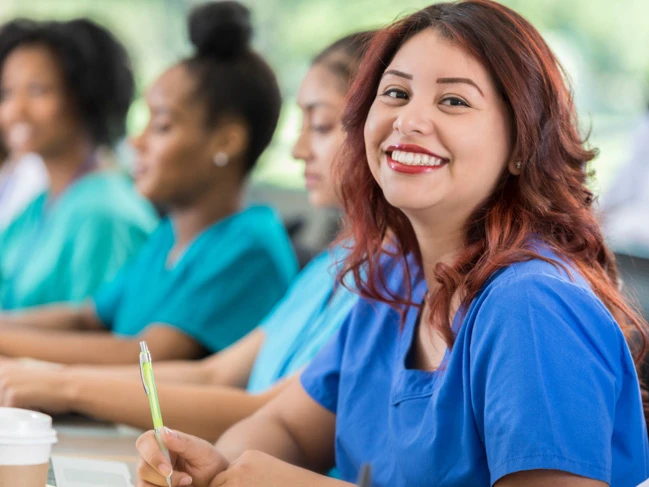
{"points": [[18, 134], [415, 159]]}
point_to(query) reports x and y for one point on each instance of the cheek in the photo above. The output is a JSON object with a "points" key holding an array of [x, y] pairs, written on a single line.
{"points": [[481, 150], [327, 149]]}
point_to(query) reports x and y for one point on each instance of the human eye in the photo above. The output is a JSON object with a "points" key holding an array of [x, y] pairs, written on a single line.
{"points": [[5, 93], [454, 101], [38, 89], [395, 93], [161, 127], [322, 128]]}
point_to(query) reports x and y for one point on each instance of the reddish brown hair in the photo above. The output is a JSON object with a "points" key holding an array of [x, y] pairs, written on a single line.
{"points": [[549, 201]]}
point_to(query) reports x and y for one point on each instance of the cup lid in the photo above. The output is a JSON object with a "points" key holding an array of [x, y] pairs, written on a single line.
{"points": [[23, 424]]}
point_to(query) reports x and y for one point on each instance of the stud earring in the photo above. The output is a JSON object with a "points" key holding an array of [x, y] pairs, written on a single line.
{"points": [[221, 159], [519, 164]]}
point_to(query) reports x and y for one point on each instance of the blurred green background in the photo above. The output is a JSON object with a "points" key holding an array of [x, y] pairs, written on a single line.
{"points": [[603, 44]]}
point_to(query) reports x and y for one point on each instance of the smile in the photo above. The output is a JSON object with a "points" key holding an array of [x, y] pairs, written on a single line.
{"points": [[412, 159], [415, 159]]}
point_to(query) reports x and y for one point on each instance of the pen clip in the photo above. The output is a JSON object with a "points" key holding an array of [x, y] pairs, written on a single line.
{"points": [[145, 356]]}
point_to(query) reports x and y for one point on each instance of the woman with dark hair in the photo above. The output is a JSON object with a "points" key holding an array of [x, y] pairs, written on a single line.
{"points": [[213, 269], [65, 89], [497, 359], [261, 362]]}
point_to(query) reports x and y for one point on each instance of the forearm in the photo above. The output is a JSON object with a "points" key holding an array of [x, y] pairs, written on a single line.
{"points": [[172, 371], [204, 411], [69, 347], [261, 434], [56, 317]]}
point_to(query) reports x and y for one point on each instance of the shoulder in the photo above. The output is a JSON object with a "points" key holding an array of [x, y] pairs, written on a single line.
{"points": [[540, 299], [258, 220], [540, 278], [108, 198]]}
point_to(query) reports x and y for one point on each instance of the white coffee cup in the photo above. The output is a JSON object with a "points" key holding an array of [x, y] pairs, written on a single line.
{"points": [[26, 439]]}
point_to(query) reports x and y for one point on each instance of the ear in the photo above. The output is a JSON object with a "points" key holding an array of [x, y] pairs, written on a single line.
{"points": [[231, 138], [515, 167]]}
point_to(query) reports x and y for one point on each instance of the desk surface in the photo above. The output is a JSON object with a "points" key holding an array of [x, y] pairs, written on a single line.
{"points": [[81, 437]]}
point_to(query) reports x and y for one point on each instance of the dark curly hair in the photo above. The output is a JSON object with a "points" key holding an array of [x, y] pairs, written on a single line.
{"points": [[95, 65], [233, 80]]}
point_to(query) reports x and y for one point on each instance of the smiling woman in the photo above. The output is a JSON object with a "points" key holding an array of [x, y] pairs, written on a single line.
{"points": [[497, 354], [65, 90]]}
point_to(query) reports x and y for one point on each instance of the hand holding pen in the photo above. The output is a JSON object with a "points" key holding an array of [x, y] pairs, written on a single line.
{"points": [[146, 373]]}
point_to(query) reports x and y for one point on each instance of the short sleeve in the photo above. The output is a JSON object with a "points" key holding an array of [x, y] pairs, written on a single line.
{"points": [[109, 297], [99, 246], [321, 378], [544, 351], [214, 304]]}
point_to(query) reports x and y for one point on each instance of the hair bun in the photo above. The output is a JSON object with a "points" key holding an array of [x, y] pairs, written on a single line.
{"points": [[220, 29]]}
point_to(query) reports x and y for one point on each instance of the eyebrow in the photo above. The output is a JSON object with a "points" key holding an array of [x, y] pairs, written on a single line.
{"points": [[460, 80], [407, 76], [160, 110], [398, 73], [318, 104]]}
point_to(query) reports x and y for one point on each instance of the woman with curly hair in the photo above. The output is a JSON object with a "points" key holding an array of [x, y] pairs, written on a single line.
{"points": [[65, 89], [499, 357], [215, 266]]}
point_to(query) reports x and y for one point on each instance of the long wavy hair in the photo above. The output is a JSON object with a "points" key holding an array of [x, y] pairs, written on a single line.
{"points": [[549, 201]]}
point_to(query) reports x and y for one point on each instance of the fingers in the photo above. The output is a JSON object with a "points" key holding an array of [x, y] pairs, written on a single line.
{"points": [[150, 476], [189, 447], [152, 460]]}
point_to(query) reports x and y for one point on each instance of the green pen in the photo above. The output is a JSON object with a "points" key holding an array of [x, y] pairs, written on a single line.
{"points": [[146, 372]]}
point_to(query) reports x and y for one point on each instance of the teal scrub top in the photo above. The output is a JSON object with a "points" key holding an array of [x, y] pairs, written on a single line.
{"points": [[307, 317], [64, 250], [218, 290]]}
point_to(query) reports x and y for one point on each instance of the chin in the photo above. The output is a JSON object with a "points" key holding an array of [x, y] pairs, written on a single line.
{"points": [[409, 203]]}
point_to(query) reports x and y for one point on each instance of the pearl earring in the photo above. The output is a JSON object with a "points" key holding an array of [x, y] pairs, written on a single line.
{"points": [[518, 165], [221, 159]]}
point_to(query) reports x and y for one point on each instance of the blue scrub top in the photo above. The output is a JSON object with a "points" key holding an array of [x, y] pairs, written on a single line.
{"points": [[540, 377], [220, 288], [311, 312], [65, 250]]}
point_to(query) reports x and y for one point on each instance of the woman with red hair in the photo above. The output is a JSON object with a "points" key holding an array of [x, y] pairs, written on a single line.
{"points": [[499, 356]]}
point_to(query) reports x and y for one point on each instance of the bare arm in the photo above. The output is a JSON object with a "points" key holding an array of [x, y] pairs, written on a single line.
{"points": [[541, 478], [57, 317], [205, 411], [165, 343], [292, 427], [230, 367]]}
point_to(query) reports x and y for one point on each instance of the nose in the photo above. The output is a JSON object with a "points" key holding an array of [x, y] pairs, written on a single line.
{"points": [[302, 148], [137, 142], [413, 119]]}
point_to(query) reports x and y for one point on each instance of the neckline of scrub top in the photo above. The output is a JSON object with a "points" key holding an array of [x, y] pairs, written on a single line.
{"points": [[193, 245], [47, 204], [410, 383], [414, 383]]}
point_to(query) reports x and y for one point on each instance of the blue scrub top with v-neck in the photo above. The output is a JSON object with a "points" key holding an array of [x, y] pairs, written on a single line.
{"points": [[539, 377], [222, 286]]}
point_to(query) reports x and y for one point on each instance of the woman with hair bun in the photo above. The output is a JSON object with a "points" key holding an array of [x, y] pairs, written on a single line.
{"points": [[213, 269], [256, 368], [501, 358], [65, 89]]}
